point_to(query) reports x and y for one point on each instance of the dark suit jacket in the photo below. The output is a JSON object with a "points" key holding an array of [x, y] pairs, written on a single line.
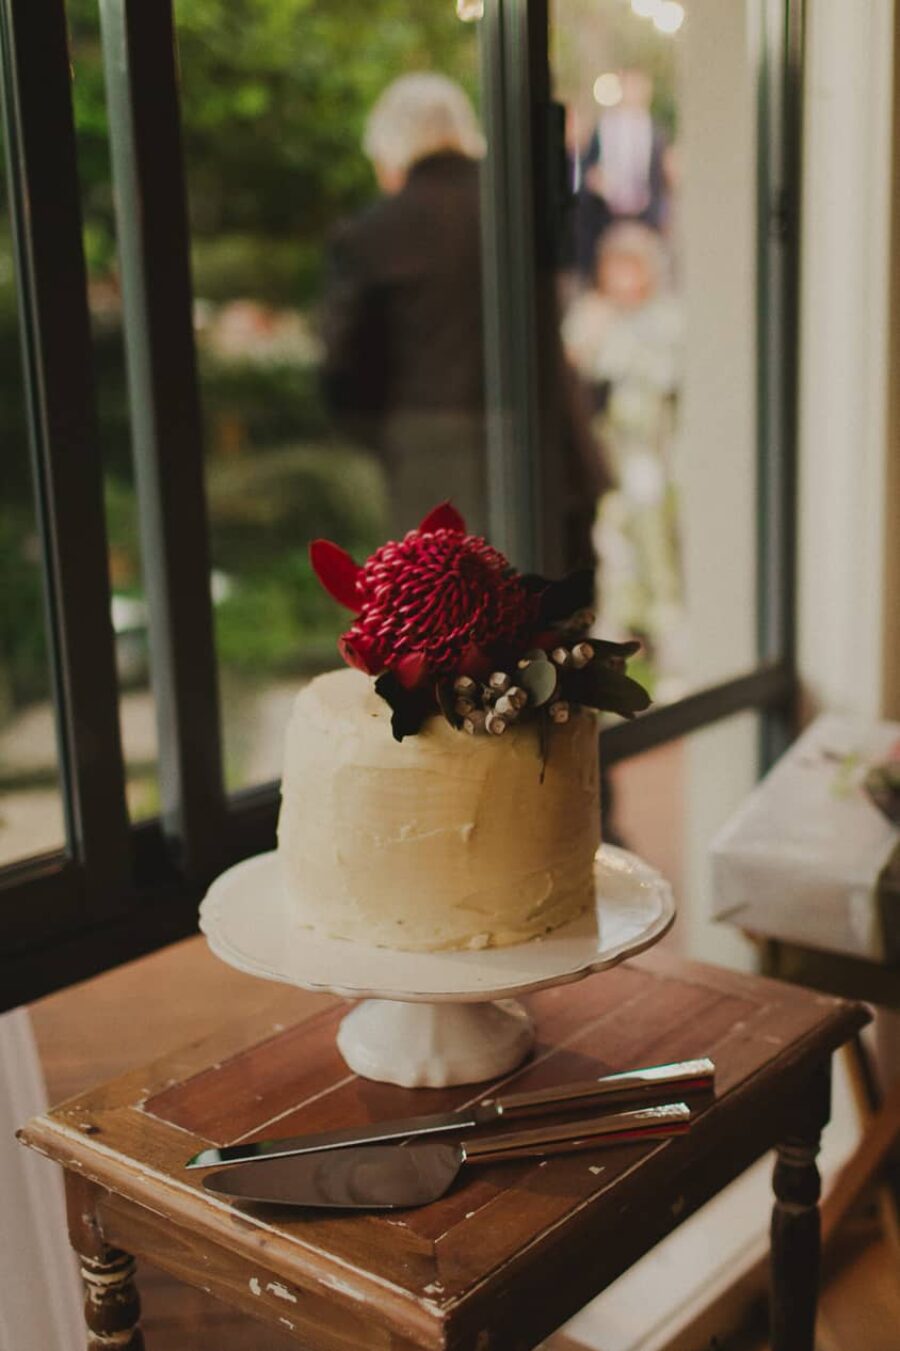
{"points": [[403, 372], [402, 319]]}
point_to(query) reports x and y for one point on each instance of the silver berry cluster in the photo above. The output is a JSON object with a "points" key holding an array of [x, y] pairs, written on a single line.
{"points": [[491, 706], [488, 706]]}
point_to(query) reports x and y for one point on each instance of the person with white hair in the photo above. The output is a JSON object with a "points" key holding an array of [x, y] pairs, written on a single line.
{"points": [[402, 323], [417, 116]]}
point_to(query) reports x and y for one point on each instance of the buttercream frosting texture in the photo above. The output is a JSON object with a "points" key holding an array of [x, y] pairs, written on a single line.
{"points": [[443, 840]]}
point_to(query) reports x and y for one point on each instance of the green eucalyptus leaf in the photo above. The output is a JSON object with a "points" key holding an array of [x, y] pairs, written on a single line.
{"points": [[539, 680]]}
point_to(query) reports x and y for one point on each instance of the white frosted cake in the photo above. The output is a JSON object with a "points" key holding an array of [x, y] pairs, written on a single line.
{"points": [[441, 841], [444, 793]]}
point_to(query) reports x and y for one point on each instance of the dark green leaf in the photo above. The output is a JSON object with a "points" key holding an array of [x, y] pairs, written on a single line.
{"points": [[602, 687], [446, 697], [606, 650], [545, 728], [409, 708], [561, 599]]}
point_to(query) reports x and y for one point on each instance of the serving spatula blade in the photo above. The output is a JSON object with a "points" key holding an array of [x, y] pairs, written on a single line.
{"points": [[388, 1177]]}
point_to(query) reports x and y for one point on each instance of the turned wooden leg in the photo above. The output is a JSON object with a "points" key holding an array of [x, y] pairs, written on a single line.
{"points": [[796, 1239], [111, 1304], [112, 1307]]}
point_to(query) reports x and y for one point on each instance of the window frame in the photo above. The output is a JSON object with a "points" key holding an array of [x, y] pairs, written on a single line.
{"points": [[117, 891]]}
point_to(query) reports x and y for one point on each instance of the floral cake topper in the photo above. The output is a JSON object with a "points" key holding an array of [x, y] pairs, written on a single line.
{"points": [[445, 624]]}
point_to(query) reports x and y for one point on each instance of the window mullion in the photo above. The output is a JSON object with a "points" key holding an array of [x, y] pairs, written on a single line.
{"points": [[508, 264], [779, 135], [154, 246], [46, 222]]}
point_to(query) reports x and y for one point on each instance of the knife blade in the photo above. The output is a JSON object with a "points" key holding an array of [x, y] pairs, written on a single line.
{"points": [[652, 1081], [388, 1177]]}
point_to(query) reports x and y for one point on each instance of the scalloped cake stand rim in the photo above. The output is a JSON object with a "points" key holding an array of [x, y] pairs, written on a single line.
{"points": [[247, 926]]}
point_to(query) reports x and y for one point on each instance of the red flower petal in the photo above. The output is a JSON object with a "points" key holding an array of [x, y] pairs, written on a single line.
{"points": [[444, 517], [473, 661], [410, 669], [337, 572], [361, 653]]}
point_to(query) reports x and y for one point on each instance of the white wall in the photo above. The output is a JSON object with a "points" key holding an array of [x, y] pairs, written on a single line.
{"points": [[844, 326], [717, 409], [718, 428]]}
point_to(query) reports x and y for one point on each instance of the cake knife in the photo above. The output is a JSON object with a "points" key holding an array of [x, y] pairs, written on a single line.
{"points": [[385, 1177], [653, 1081]]}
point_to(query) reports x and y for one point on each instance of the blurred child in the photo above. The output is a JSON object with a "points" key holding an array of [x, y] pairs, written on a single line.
{"points": [[624, 337]]}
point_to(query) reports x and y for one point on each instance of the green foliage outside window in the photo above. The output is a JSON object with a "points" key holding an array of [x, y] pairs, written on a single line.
{"points": [[274, 96]]}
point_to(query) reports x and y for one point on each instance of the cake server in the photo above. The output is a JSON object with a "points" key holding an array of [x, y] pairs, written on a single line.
{"points": [[385, 1177], [654, 1081]]}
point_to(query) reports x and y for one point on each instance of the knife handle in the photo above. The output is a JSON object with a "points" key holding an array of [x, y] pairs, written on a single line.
{"points": [[685, 1076], [672, 1118]]}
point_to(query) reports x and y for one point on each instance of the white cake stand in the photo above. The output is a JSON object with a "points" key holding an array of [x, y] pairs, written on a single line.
{"points": [[429, 1019]]}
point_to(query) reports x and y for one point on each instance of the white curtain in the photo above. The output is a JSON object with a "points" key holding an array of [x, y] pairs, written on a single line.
{"points": [[40, 1301]]}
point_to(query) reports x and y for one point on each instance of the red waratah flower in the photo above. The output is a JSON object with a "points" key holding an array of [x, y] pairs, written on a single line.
{"points": [[434, 602]]}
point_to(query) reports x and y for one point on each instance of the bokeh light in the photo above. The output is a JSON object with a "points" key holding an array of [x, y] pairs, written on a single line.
{"points": [[669, 16], [608, 89]]}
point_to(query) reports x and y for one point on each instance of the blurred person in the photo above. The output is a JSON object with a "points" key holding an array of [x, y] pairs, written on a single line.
{"points": [[403, 370], [402, 326], [624, 337], [586, 218], [623, 170]]}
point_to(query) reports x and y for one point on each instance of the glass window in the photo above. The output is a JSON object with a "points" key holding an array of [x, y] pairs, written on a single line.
{"points": [[137, 709], [657, 293], [332, 157], [31, 814], [667, 804]]}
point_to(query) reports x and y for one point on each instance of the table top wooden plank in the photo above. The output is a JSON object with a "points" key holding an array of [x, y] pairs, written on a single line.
{"points": [[235, 1097], [541, 1201], [346, 1100], [504, 1225]]}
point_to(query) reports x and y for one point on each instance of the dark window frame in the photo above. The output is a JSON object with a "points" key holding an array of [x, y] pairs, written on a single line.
{"points": [[118, 891]]}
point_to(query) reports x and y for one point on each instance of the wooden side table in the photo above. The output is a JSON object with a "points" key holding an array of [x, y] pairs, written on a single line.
{"points": [[516, 1248]]}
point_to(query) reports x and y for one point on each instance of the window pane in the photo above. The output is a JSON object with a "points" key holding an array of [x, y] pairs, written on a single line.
{"points": [[129, 614], [667, 804], [31, 815], [657, 286], [336, 238]]}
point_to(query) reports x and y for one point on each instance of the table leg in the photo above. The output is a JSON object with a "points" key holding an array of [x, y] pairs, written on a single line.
{"points": [[112, 1307], [796, 1237]]}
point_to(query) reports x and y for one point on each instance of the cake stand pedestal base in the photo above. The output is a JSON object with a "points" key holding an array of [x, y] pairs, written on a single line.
{"points": [[431, 1019], [435, 1045]]}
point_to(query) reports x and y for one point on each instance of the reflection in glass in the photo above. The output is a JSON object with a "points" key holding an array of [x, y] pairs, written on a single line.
{"points": [[31, 816]]}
